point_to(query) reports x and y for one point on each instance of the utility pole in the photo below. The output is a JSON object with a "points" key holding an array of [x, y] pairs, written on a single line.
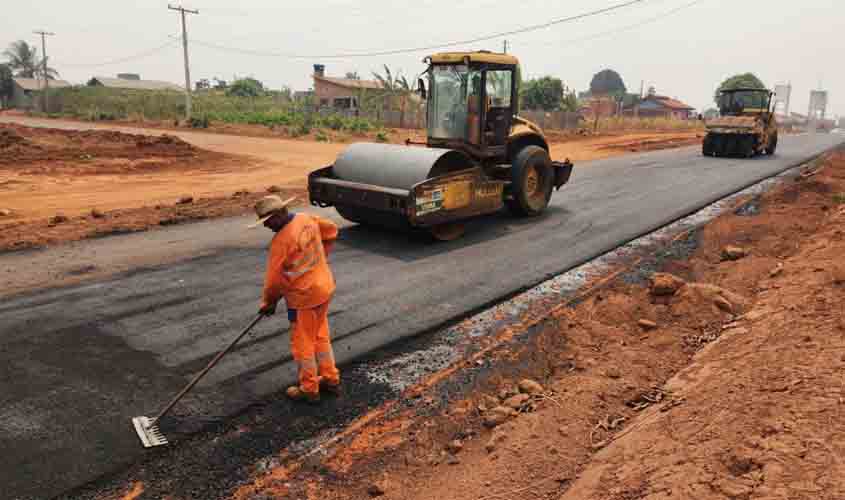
{"points": [[505, 51], [183, 11], [46, 98]]}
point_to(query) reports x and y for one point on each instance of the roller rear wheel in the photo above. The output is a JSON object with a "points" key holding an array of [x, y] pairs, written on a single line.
{"points": [[773, 146], [531, 181]]}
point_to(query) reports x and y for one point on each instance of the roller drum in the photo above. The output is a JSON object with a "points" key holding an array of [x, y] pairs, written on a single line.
{"points": [[399, 167]]}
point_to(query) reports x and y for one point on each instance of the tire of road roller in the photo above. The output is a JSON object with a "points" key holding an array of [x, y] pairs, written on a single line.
{"points": [[773, 146], [531, 182]]}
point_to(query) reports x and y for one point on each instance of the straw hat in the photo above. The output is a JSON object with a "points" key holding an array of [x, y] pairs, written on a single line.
{"points": [[268, 206]]}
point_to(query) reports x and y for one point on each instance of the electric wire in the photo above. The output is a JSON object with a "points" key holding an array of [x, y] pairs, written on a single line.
{"points": [[620, 29], [133, 57], [522, 30]]}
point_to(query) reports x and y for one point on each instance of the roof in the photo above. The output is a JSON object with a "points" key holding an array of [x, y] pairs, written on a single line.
{"points": [[38, 84], [481, 56], [670, 103], [654, 101], [120, 83], [351, 83]]}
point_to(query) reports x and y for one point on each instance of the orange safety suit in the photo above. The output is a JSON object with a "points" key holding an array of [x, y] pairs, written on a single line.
{"points": [[298, 270]]}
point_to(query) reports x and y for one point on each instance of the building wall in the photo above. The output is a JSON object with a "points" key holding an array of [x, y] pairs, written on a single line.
{"points": [[325, 92], [21, 98]]}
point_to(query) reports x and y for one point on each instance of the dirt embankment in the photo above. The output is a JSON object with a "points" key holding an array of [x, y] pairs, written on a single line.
{"points": [[720, 380], [65, 185]]}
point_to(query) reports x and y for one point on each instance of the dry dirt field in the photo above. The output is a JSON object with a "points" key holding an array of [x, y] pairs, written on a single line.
{"points": [[720, 377], [59, 184]]}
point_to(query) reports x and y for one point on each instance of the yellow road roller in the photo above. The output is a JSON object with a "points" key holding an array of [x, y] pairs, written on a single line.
{"points": [[479, 156]]}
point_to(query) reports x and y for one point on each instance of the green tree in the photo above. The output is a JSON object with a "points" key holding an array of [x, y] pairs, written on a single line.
{"points": [[395, 84], [24, 61], [607, 82], [397, 88], [742, 80], [245, 87], [547, 94], [570, 100], [5, 84]]}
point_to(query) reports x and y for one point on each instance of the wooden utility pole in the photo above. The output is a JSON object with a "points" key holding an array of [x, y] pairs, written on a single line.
{"points": [[183, 11], [505, 51], [46, 98]]}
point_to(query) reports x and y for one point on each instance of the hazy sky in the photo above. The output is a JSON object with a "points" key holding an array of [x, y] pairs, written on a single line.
{"points": [[684, 55]]}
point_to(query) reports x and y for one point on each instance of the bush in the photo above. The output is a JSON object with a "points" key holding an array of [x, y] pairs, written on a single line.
{"points": [[95, 115], [381, 136], [300, 130], [334, 122], [198, 122], [245, 87], [358, 125], [321, 136]]}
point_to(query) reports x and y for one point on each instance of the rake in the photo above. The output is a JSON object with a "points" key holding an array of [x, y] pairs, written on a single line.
{"points": [[147, 428]]}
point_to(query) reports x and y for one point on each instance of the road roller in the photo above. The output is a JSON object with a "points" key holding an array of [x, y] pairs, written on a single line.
{"points": [[746, 125], [479, 156]]}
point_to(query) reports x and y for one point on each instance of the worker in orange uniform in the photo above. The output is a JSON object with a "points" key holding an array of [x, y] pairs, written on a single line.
{"points": [[298, 270]]}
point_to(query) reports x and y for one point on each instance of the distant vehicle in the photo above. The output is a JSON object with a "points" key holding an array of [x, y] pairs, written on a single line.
{"points": [[746, 127]]}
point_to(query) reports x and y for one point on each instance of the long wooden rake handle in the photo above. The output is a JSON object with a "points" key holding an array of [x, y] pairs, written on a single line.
{"points": [[208, 367]]}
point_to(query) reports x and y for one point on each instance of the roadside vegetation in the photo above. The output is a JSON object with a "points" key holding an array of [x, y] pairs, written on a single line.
{"points": [[270, 109]]}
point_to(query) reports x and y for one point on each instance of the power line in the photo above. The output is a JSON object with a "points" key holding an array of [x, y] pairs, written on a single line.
{"points": [[517, 31], [139, 55], [621, 29]]}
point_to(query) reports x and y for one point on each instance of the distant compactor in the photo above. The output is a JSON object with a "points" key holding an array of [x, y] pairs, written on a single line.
{"points": [[478, 157], [746, 127]]}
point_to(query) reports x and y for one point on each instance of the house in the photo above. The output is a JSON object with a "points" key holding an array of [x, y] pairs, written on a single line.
{"points": [[131, 81], [658, 106], [340, 93], [24, 91]]}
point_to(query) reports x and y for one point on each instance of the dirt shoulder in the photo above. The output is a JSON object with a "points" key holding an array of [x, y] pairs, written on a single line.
{"points": [[719, 380], [65, 185]]}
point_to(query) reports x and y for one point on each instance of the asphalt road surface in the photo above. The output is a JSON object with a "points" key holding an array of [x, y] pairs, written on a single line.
{"points": [[76, 363]]}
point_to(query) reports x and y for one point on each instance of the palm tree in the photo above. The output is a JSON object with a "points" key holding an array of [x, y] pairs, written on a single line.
{"points": [[399, 86], [24, 60]]}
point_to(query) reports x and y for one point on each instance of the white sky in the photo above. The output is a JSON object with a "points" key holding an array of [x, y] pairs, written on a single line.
{"points": [[684, 55]]}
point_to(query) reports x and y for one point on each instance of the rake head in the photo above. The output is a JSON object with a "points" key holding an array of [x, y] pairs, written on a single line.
{"points": [[148, 432]]}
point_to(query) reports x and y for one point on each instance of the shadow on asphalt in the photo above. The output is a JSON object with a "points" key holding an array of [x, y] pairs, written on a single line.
{"points": [[410, 246]]}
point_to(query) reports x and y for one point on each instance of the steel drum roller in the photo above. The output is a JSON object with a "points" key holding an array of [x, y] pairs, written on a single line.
{"points": [[398, 167]]}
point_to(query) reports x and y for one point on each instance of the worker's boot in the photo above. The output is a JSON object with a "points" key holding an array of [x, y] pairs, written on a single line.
{"points": [[297, 394], [329, 387]]}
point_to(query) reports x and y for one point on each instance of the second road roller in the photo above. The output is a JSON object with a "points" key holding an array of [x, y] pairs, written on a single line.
{"points": [[478, 157]]}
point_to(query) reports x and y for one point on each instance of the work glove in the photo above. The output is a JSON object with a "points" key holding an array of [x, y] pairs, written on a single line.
{"points": [[267, 310]]}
